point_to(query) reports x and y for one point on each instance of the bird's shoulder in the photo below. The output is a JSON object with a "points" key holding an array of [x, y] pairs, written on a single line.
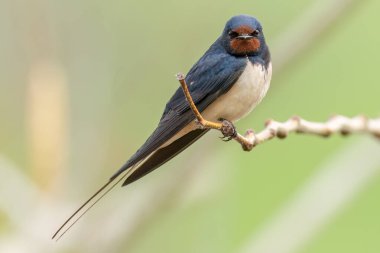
{"points": [[213, 74]]}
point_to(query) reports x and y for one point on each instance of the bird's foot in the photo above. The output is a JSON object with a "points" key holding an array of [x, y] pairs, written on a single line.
{"points": [[228, 130]]}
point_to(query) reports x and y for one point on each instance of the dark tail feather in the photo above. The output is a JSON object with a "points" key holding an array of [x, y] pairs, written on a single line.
{"points": [[134, 173], [86, 206], [164, 154]]}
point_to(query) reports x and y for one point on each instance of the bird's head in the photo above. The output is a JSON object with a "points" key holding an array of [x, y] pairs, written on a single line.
{"points": [[243, 35]]}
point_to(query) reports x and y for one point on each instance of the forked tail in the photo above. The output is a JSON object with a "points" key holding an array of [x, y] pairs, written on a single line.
{"points": [[86, 206]]}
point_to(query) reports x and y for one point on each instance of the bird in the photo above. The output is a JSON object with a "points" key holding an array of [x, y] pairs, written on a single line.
{"points": [[227, 82]]}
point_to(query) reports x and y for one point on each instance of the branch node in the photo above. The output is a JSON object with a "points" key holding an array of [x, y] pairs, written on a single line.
{"points": [[249, 133], [296, 118], [268, 122], [180, 76], [282, 133], [326, 133], [335, 124], [247, 147], [345, 131], [199, 124]]}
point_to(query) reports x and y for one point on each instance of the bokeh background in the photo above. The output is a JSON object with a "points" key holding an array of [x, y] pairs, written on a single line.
{"points": [[83, 84]]}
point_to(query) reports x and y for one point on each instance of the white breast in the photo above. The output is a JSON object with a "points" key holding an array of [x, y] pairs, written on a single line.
{"points": [[244, 95]]}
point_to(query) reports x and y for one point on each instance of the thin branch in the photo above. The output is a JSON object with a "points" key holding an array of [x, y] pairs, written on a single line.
{"points": [[200, 120], [336, 124]]}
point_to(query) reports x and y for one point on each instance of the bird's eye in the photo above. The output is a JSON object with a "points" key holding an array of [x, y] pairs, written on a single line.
{"points": [[233, 34], [255, 33]]}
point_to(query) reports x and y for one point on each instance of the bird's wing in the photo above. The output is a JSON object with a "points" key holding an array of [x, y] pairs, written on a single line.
{"points": [[164, 154], [210, 78]]}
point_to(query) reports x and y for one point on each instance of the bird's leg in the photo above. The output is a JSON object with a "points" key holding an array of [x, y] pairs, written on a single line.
{"points": [[199, 118], [228, 130]]}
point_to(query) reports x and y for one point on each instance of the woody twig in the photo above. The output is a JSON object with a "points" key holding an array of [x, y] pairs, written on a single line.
{"points": [[337, 124]]}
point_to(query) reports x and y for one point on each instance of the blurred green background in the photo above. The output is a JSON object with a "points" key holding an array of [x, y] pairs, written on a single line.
{"points": [[83, 84]]}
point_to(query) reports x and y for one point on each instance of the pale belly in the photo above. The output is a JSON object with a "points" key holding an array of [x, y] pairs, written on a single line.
{"points": [[244, 95], [240, 100]]}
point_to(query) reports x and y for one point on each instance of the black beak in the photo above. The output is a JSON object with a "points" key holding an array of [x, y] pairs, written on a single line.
{"points": [[244, 37]]}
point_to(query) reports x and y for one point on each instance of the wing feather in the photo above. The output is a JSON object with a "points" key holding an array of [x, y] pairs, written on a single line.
{"points": [[164, 154], [212, 76]]}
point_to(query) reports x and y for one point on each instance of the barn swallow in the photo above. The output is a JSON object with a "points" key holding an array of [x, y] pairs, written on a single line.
{"points": [[227, 82]]}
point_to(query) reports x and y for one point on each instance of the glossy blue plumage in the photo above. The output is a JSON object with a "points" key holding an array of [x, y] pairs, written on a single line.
{"points": [[212, 76], [216, 72]]}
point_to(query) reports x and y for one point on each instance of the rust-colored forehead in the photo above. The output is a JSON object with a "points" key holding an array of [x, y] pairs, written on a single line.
{"points": [[244, 29]]}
